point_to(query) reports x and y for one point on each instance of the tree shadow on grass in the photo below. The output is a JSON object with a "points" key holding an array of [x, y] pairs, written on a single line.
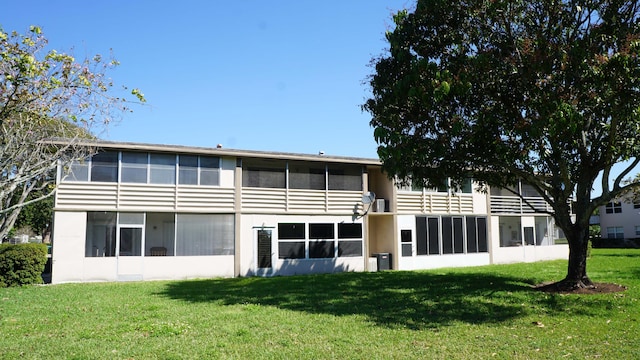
{"points": [[415, 300]]}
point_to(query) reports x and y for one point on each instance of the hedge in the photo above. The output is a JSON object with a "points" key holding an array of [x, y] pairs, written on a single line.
{"points": [[22, 264]]}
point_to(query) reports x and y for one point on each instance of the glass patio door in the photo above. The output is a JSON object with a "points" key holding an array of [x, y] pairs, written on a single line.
{"points": [[130, 246]]}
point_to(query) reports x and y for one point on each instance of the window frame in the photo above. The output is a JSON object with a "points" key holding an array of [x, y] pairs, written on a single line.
{"points": [[613, 207]]}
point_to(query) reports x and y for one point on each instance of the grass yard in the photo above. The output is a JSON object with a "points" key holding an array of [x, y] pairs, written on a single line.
{"points": [[487, 312]]}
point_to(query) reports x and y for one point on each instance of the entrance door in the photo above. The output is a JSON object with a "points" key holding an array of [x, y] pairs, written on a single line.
{"points": [[264, 251], [130, 253]]}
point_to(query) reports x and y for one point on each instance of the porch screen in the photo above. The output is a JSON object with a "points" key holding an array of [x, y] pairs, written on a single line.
{"points": [[101, 234], [204, 234]]}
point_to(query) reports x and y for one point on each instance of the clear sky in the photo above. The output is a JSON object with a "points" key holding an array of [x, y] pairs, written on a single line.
{"points": [[274, 75]]}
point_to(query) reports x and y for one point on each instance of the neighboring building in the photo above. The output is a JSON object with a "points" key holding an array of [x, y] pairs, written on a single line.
{"points": [[620, 219], [143, 212]]}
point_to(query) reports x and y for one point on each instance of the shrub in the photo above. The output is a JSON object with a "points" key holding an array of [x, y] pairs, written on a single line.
{"points": [[22, 264]]}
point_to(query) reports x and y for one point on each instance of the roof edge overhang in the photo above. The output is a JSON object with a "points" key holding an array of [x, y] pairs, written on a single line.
{"points": [[217, 151]]}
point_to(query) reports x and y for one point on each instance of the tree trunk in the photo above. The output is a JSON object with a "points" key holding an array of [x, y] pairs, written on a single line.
{"points": [[577, 266]]}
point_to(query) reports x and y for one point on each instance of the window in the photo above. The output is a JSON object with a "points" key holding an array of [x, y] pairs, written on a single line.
{"points": [[615, 232], [614, 207], [209, 170], [162, 169], [321, 249], [78, 170], [405, 239], [101, 234], [165, 234], [264, 174], [104, 166], [349, 230], [188, 170], [637, 230], [159, 232], [427, 235], [636, 204], [467, 186], [204, 234], [321, 231], [308, 177], [443, 187], [134, 167], [288, 249], [347, 243], [198, 170], [324, 244], [345, 178], [448, 235], [321, 243]]}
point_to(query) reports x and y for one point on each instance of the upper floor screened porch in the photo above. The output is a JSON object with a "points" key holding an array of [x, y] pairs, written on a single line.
{"points": [[506, 200], [167, 178]]}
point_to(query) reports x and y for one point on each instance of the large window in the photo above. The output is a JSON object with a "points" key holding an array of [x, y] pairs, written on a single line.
{"points": [[162, 169], [209, 170], [637, 230], [449, 235], [321, 242], [143, 168], [306, 176], [204, 234], [134, 167], [264, 174], [159, 234], [101, 234], [345, 178], [78, 170], [199, 170], [615, 232], [466, 187], [349, 239], [188, 170], [614, 207], [104, 166], [291, 244]]}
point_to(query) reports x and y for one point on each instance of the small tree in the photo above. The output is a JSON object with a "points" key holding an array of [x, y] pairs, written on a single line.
{"points": [[547, 92], [46, 95]]}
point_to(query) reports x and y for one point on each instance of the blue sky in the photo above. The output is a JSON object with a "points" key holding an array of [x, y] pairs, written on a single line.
{"points": [[273, 75], [276, 75]]}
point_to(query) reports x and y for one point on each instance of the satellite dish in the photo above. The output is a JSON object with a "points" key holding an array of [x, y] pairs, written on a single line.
{"points": [[368, 197]]}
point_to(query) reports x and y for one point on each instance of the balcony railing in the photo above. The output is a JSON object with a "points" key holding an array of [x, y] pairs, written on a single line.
{"points": [[516, 205]]}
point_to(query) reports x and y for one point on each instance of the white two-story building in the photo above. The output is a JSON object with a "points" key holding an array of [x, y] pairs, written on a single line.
{"points": [[620, 219], [144, 212]]}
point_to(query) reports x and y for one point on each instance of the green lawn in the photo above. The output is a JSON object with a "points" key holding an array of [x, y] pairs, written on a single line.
{"points": [[472, 313]]}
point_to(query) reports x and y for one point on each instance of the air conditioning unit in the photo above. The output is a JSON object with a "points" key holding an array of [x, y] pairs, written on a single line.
{"points": [[381, 205]]}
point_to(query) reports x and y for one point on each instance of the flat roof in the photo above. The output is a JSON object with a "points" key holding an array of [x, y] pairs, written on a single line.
{"points": [[220, 151]]}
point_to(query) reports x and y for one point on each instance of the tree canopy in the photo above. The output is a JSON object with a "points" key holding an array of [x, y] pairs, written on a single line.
{"points": [[45, 94], [544, 91]]}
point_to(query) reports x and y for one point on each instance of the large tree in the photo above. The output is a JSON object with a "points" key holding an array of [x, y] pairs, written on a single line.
{"points": [[45, 95], [544, 91]]}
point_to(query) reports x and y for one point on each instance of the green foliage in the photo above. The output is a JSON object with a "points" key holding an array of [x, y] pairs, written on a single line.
{"points": [[37, 215], [500, 91], [22, 264]]}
